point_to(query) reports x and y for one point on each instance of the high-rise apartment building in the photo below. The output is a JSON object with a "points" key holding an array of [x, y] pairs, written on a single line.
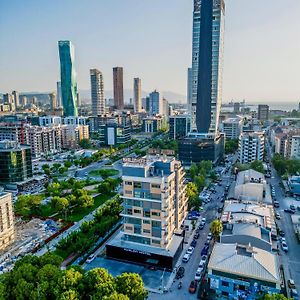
{"points": [[58, 94], [16, 98], [7, 231], [207, 65], [68, 78], [263, 112], [137, 95], [189, 85], [155, 206], [118, 87], [53, 104], [251, 147], [97, 92], [155, 103]]}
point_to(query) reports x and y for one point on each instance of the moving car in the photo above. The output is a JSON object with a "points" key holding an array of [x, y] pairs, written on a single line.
{"points": [[193, 287], [90, 258], [291, 283], [196, 236], [288, 210], [277, 216]]}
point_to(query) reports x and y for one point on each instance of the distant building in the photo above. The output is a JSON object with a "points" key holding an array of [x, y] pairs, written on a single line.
{"points": [[114, 134], [7, 231], [179, 126], [152, 124], [16, 98], [263, 112], [97, 93], [189, 85], [155, 206], [137, 95], [155, 103], [236, 107], [78, 100], [15, 162], [68, 78], [165, 108], [71, 135], [118, 87], [294, 185], [232, 128], [295, 147], [58, 93], [251, 147], [53, 103]]}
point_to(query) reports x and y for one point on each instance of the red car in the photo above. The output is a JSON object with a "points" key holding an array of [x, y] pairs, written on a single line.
{"points": [[193, 287]]}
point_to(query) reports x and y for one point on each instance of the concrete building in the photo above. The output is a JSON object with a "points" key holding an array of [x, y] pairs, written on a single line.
{"points": [[71, 135], [7, 231], [97, 93], [295, 147], [251, 147], [53, 103], [152, 124], [155, 103], [165, 108], [179, 126], [58, 94], [137, 95], [155, 206], [16, 98], [15, 162], [68, 78], [114, 134], [232, 128], [189, 85], [294, 185], [118, 87], [263, 112], [238, 271]]}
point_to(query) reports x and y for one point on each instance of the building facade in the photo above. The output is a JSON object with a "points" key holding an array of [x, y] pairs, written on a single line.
{"points": [[7, 231], [251, 147], [263, 112], [207, 64], [53, 103], [15, 162], [232, 128], [58, 94], [152, 124], [97, 92], [137, 94], [68, 78], [189, 85], [118, 87], [179, 126], [155, 103]]}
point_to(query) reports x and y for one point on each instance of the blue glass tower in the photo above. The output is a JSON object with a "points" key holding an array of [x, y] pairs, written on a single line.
{"points": [[68, 78]]}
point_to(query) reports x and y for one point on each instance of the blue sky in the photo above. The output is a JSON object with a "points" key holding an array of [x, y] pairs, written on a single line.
{"points": [[151, 39]]}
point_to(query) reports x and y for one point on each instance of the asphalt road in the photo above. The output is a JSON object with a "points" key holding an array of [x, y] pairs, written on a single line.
{"points": [[290, 260], [210, 213]]}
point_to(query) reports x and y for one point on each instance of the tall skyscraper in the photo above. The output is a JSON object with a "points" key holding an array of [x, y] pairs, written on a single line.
{"points": [[155, 103], [137, 95], [53, 102], [68, 78], [58, 93], [16, 98], [118, 87], [189, 85], [207, 64], [97, 92]]}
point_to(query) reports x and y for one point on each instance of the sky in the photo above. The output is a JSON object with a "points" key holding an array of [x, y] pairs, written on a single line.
{"points": [[151, 39]]}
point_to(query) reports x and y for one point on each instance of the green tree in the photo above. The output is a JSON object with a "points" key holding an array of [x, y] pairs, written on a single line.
{"points": [[216, 228], [200, 182], [116, 296], [193, 171], [62, 204], [131, 285], [86, 200], [67, 164], [231, 146], [54, 189], [258, 166], [85, 144], [274, 297]]}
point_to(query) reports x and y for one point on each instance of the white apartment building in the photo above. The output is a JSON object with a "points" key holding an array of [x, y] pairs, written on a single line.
{"points": [[71, 135], [232, 127], [295, 147], [251, 147], [7, 231]]}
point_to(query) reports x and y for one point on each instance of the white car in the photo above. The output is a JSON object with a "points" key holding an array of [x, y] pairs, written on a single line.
{"points": [[186, 258], [284, 247], [203, 259], [209, 236], [90, 259], [190, 250], [198, 274], [204, 220]]}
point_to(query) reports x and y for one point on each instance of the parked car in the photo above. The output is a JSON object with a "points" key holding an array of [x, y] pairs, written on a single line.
{"points": [[180, 272], [198, 274], [204, 250], [291, 284], [194, 243], [196, 236], [186, 258], [281, 232], [209, 236], [203, 220], [90, 259], [203, 259], [193, 287], [292, 207], [284, 247], [201, 226], [288, 210], [276, 204], [277, 216], [190, 250]]}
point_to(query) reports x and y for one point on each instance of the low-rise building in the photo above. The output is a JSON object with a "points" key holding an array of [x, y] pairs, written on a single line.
{"points": [[294, 185], [7, 231], [152, 124], [237, 271]]}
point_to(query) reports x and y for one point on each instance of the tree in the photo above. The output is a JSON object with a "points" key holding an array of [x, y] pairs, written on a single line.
{"points": [[62, 204], [56, 166], [193, 171], [116, 296], [67, 164], [231, 146], [54, 189], [85, 144], [200, 182], [258, 166], [131, 285], [86, 200], [216, 228], [274, 297]]}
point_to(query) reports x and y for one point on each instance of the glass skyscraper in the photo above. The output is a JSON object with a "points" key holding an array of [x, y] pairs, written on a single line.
{"points": [[207, 65], [68, 78]]}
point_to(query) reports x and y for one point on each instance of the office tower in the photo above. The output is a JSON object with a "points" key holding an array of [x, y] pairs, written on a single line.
{"points": [[263, 112], [24, 100], [189, 85], [7, 232], [53, 104], [207, 65], [236, 107], [58, 94], [179, 126], [155, 206], [165, 107], [137, 95], [7, 99], [232, 128], [97, 92], [34, 100], [68, 78], [16, 98], [155, 103], [251, 147], [118, 87], [15, 162]]}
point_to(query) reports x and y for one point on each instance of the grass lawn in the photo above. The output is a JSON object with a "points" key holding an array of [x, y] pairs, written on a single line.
{"points": [[78, 213], [104, 172]]}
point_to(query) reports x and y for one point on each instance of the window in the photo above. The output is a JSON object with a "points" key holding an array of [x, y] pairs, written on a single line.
{"points": [[137, 211], [137, 203], [156, 214], [137, 185], [147, 213], [128, 228], [128, 182], [129, 211], [146, 222], [146, 230], [155, 186], [225, 283], [156, 242]]}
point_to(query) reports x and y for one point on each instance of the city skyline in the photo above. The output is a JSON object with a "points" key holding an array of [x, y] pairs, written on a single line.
{"points": [[264, 42]]}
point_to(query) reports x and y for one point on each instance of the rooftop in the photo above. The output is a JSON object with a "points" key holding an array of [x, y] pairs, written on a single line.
{"points": [[250, 262], [249, 176]]}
